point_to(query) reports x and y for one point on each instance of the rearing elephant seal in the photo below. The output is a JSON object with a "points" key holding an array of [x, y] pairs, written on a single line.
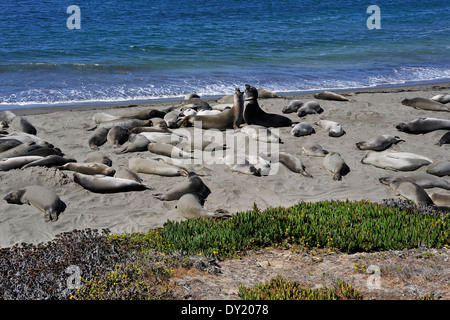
{"points": [[227, 119], [42, 198], [253, 114], [193, 184], [425, 104]]}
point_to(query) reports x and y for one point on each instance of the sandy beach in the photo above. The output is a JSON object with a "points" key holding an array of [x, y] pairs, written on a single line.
{"points": [[371, 112]]}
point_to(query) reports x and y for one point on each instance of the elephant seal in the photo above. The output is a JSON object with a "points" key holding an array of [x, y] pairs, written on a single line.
{"points": [[88, 168], [98, 157], [193, 184], [7, 116], [293, 106], [6, 144], [43, 152], [100, 117], [289, 161], [441, 199], [190, 206], [26, 138], [46, 200], [107, 184], [393, 160], [143, 114], [328, 95], [333, 128], [425, 104], [126, 173], [171, 118], [117, 136], [425, 180], [440, 168], [241, 165], [151, 166], [424, 125], [310, 107], [408, 190], [378, 143], [165, 149], [253, 114], [445, 139], [19, 150], [162, 129], [163, 137], [313, 149], [260, 133], [334, 163], [97, 138], [442, 98], [302, 129], [190, 96], [265, 94], [7, 164], [126, 123], [137, 143], [23, 125], [52, 160], [227, 119]]}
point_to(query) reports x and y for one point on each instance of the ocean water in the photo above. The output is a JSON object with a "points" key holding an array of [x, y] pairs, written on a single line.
{"points": [[137, 50]]}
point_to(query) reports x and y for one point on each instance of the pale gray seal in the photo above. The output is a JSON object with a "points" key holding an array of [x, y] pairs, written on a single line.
{"points": [[393, 160], [378, 143], [46, 200], [302, 129], [333, 128], [100, 117], [442, 98], [190, 206], [328, 95], [293, 106], [253, 114], [310, 107], [441, 199], [151, 166], [137, 143], [193, 184], [171, 118], [408, 190], [117, 136], [88, 168], [439, 168], [424, 104], [240, 164], [445, 139], [425, 180], [334, 163], [107, 184], [313, 149], [96, 156], [7, 164], [260, 133], [165, 149], [19, 150], [126, 173], [146, 114], [424, 125], [290, 161], [265, 94], [97, 138], [52, 160], [126, 123], [23, 125]]}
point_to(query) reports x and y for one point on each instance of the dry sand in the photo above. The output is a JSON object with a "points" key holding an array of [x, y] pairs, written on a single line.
{"points": [[373, 111]]}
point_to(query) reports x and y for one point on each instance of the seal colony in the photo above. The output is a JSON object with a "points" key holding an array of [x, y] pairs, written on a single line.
{"points": [[131, 168]]}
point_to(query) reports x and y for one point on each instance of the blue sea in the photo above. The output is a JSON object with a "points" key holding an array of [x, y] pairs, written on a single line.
{"points": [[139, 50]]}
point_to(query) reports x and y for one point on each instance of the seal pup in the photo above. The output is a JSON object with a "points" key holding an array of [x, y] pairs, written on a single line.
{"points": [[117, 136], [193, 184], [23, 125], [328, 95], [310, 107], [445, 139], [7, 164], [425, 180], [228, 119], [379, 143], [408, 190], [260, 133], [171, 118], [313, 149], [44, 199], [290, 161], [240, 164], [52, 160], [442, 98], [265, 94], [96, 156], [107, 184], [88, 168], [165, 149], [137, 143], [190, 206], [152, 166], [253, 114], [394, 160], [293, 106], [441, 199], [425, 104], [183, 164], [333, 128], [302, 129], [126, 173], [439, 168], [423, 125], [334, 163], [97, 138]]}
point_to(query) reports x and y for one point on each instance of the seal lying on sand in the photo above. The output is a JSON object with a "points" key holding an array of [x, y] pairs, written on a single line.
{"points": [[302, 129], [328, 95], [150, 166], [334, 163], [310, 107], [190, 206], [441, 199], [253, 114], [424, 125], [193, 184], [445, 139], [425, 180], [393, 160], [442, 98], [440, 168], [293, 106], [425, 104], [409, 190], [313, 150], [333, 128], [42, 198], [106, 184], [260, 133], [289, 161], [378, 143], [23, 125]]}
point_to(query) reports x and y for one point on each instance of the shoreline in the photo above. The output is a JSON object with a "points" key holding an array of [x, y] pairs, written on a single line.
{"points": [[38, 109]]}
